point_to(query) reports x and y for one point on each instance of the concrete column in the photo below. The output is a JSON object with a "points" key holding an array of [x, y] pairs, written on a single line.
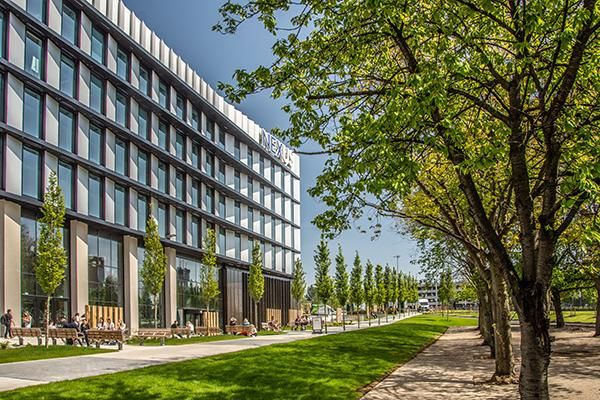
{"points": [[10, 259], [171, 287], [79, 266], [130, 281]]}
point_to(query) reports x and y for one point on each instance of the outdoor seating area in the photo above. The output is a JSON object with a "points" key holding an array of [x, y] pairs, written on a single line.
{"points": [[69, 335], [27, 333], [153, 334], [246, 330], [99, 336]]}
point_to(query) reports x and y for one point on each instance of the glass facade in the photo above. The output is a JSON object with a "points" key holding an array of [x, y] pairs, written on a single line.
{"points": [[97, 94], [142, 167], [69, 24], [98, 45], [37, 8], [31, 173], [121, 157], [95, 195], [33, 55], [120, 205], [65, 180], [142, 212], [122, 64], [144, 79], [96, 144], [32, 113], [67, 76], [66, 130], [190, 302], [105, 269], [145, 301]]}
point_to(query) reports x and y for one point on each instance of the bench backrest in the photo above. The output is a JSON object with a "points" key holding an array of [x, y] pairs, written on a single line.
{"points": [[154, 332], [180, 331], [239, 328], [62, 333], [100, 334], [27, 332]]}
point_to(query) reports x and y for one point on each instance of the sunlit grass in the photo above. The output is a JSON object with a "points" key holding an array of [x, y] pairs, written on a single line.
{"points": [[29, 353]]}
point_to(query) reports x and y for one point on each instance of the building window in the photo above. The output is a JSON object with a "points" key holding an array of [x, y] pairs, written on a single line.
{"points": [[189, 291], [69, 24], [163, 177], [97, 94], [210, 129], [210, 160], [237, 215], [32, 113], [122, 109], [273, 228], [195, 119], [180, 106], [195, 155], [238, 246], [179, 185], [33, 55], [2, 34], [274, 251], [221, 138], [31, 173], [262, 224], [96, 144], [195, 192], [163, 94], [142, 167], [95, 194], [122, 64], [143, 126], [66, 130], [195, 231], [163, 219], [67, 76], [250, 158], [236, 180], [250, 188], [236, 149], [142, 212], [210, 197], [251, 219], [145, 305], [180, 226], [262, 165], [105, 270], [37, 8], [163, 135], [144, 80], [179, 145], [222, 206], [221, 171], [121, 205], [262, 194], [222, 242], [121, 158], [98, 44]]}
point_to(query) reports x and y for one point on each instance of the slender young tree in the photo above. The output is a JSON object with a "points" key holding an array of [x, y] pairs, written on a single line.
{"points": [[380, 290], [446, 290], [356, 288], [369, 289], [51, 258], [209, 282], [154, 268], [298, 284], [323, 282], [256, 281], [342, 290], [390, 288]]}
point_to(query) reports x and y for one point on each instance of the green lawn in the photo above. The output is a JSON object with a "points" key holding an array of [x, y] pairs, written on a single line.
{"points": [[28, 353], [582, 317], [326, 367]]}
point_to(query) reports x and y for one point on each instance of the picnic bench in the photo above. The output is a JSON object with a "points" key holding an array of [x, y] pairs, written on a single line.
{"points": [[27, 332], [100, 336], [158, 333], [208, 331], [187, 332], [246, 330], [63, 333]]}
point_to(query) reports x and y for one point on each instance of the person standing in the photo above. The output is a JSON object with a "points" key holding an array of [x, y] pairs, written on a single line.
{"points": [[7, 322]]}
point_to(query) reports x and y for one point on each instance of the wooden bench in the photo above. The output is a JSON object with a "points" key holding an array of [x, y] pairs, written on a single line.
{"points": [[187, 332], [145, 334], [208, 331], [100, 336], [27, 332], [246, 330], [63, 333]]}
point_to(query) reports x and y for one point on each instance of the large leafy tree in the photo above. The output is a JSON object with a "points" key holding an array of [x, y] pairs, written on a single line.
{"points": [[298, 288], [256, 280], [324, 287], [51, 260], [379, 84], [356, 288], [154, 267], [209, 283], [342, 290]]}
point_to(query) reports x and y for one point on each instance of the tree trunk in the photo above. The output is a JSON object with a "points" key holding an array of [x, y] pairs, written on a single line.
{"points": [[155, 312], [535, 346], [256, 315], [47, 321], [597, 331], [358, 317], [560, 319], [502, 332], [369, 314], [486, 324]]}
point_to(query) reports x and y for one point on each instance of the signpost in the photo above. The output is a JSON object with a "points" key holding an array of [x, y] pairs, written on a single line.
{"points": [[317, 324]]}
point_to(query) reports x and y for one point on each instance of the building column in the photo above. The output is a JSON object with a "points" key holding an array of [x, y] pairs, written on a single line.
{"points": [[130, 282], [79, 266], [10, 259], [170, 287]]}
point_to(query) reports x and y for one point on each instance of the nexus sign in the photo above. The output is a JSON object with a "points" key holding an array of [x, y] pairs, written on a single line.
{"points": [[277, 148]]}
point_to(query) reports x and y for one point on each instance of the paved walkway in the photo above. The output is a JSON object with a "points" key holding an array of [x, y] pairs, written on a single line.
{"points": [[456, 367], [28, 373]]}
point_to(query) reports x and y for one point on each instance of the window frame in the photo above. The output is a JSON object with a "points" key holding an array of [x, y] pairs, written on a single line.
{"points": [[127, 55], [95, 29], [29, 35], [63, 110], [40, 112], [76, 38], [66, 59]]}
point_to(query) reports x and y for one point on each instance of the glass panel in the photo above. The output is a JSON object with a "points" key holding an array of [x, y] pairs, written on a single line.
{"points": [[222, 208], [163, 135], [122, 64], [98, 39], [33, 55], [67, 76], [221, 138], [237, 213], [66, 130], [105, 270], [31, 173], [210, 129], [95, 196], [121, 158], [250, 158], [238, 246], [222, 242], [97, 94], [162, 220], [209, 164], [210, 195], [143, 123], [163, 94], [195, 155], [65, 180], [32, 113], [195, 192], [120, 205], [236, 149], [195, 119], [144, 80], [179, 185], [179, 226], [121, 114], [37, 8], [2, 34], [69, 27], [221, 172], [142, 212], [163, 177], [96, 143], [195, 231], [179, 145], [142, 167], [236, 180], [251, 218], [180, 107]]}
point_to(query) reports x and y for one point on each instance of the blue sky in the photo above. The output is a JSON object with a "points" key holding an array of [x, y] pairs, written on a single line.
{"points": [[185, 25]]}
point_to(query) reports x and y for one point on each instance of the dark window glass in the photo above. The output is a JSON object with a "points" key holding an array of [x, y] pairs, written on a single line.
{"points": [[222, 207], [236, 149], [238, 246], [95, 193], [1, 161], [121, 158], [2, 34], [210, 129], [237, 213], [142, 212], [163, 177], [179, 185], [222, 242], [195, 231], [31, 173], [32, 113], [210, 164], [66, 130], [195, 119], [65, 180], [262, 223], [96, 143], [250, 188], [33, 55], [262, 194], [37, 8], [120, 205], [97, 94], [179, 226], [221, 138], [67, 76], [179, 145], [250, 158], [163, 135], [236, 180], [122, 109], [69, 24], [142, 167], [98, 43], [122, 64], [221, 171], [262, 165], [144, 80], [163, 219], [210, 200], [195, 192], [250, 218], [105, 270], [180, 106], [195, 155], [143, 126], [163, 94]]}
